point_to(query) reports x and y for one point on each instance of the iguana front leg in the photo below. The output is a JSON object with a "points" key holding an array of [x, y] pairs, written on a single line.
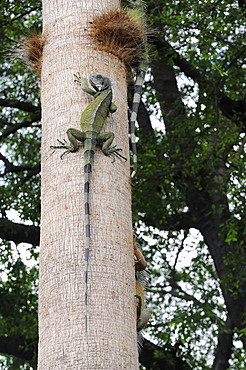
{"points": [[84, 84]]}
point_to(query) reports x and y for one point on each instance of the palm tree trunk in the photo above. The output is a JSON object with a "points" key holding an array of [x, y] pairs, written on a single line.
{"points": [[111, 303]]}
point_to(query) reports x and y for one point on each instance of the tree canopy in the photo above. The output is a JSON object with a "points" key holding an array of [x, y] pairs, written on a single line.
{"points": [[188, 194]]}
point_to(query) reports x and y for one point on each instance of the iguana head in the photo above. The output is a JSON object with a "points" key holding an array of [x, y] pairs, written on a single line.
{"points": [[99, 82]]}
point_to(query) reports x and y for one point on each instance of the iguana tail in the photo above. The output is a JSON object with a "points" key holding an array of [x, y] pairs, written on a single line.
{"points": [[133, 118], [138, 6], [88, 162]]}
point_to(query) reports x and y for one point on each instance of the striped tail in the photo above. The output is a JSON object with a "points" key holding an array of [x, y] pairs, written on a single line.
{"points": [[88, 161], [142, 68], [134, 113]]}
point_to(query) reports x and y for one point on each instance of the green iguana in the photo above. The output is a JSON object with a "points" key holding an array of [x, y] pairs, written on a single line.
{"points": [[92, 121], [143, 313]]}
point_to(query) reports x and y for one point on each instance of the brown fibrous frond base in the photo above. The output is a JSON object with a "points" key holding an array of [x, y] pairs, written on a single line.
{"points": [[31, 51], [118, 33]]}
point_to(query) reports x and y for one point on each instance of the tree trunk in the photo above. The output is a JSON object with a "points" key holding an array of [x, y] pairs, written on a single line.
{"points": [[111, 302]]}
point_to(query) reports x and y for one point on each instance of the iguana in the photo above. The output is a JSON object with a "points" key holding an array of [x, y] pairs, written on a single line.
{"points": [[92, 121], [143, 314]]}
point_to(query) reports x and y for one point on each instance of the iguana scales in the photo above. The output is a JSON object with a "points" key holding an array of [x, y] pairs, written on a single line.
{"points": [[143, 313], [138, 7], [92, 121]]}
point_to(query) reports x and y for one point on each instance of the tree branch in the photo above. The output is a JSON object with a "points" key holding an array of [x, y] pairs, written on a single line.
{"points": [[10, 167], [19, 233], [179, 293], [186, 67], [21, 15], [242, 4], [144, 120], [24, 106], [175, 222], [224, 347], [22, 348], [168, 94], [35, 117], [168, 358], [232, 109]]}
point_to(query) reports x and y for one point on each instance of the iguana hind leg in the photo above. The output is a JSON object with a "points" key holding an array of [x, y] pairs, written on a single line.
{"points": [[72, 144], [104, 140], [74, 136]]}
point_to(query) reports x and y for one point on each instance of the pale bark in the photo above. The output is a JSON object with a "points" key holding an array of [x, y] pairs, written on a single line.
{"points": [[111, 302]]}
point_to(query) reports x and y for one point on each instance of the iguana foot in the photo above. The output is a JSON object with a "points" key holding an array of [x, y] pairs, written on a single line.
{"points": [[113, 152], [64, 145], [79, 79]]}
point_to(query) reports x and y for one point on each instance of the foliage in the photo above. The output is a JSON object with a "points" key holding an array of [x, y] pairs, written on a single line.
{"points": [[192, 227], [20, 127], [20, 294], [20, 187]]}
